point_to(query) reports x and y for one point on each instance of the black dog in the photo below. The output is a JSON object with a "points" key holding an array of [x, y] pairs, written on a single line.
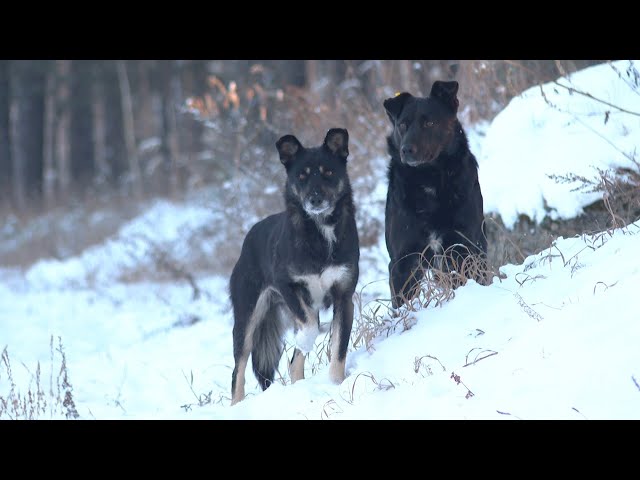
{"points": [[295, 262], [434, 202]]}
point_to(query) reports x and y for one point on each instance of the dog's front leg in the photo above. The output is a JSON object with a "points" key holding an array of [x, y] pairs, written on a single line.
{"points": [[404, 278], [340, 333]]}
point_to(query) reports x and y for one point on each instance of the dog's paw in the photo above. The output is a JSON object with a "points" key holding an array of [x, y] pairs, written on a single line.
{"points": [[337, 372]]}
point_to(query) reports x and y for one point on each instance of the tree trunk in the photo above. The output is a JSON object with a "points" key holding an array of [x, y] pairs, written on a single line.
{"points": [[5, 147], [169, 133], [83, 166], [194, 82], [63, 130], [104, 170], [369, 75], [146, 124], [311, 73], [50, 170], [129, 128], [404, 69], [289, 72], [28, 93], [115, 147]]}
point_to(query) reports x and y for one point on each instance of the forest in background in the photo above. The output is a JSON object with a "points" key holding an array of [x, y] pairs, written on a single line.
{"points": [[86, 145], [89, 129]]}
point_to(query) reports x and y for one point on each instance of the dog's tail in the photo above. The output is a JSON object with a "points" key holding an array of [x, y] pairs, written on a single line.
{"points": [[267, 350]]}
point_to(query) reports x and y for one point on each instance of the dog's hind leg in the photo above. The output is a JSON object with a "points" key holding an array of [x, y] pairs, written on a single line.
{"points": [[242, 338], [296, 366], [340, 333], [246, 321]]}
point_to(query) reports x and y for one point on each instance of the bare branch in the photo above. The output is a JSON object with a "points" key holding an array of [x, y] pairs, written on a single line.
{"points": [[571, 89]]}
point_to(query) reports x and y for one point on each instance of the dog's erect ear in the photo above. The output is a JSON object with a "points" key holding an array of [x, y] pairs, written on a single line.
{"points": [[287, 147], [446, 93], [394, 105], [337, 141]]}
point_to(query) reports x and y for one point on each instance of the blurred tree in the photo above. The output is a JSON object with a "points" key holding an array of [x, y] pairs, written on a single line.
{"points": [[311, 72], [128, 122], [143, 98], [194, 84], [28, 86], [49, 167], [115, 151], [167, 125], [368, 72], [83, 165], [169, 147], [5, 147], [62, 140], [287, 72]]}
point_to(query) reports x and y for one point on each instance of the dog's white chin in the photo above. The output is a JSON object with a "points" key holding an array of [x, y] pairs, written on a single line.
{"points": [[316, 211], [424, 161], [416, 163]]}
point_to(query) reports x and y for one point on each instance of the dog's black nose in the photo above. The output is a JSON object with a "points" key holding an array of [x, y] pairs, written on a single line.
{"points": [[315, 200], [409, 150]]}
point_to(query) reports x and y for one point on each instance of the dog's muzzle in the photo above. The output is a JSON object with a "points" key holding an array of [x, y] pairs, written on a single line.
{"points": [[314, 204], [414, 161], [410, 156]]}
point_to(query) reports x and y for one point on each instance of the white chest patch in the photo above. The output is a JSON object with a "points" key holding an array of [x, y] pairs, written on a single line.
{"points": [[435, 243], [328, 233], [319, 285]]}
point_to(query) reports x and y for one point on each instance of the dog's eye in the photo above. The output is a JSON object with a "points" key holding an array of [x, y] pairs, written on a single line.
{"points": [[403, 127], [302, 176], [328, 173], [428, 123]]}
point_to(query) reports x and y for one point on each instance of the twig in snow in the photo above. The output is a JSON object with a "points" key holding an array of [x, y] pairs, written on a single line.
{"points": [[456, 378], [478, 358]]}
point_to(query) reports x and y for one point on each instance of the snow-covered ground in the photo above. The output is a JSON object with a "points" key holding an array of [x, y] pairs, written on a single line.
{"points": [[557, 338], [556, 130]]}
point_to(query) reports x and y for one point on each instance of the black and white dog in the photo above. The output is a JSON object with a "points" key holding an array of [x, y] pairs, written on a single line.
{"points": [[296, 262], [434, 202]]}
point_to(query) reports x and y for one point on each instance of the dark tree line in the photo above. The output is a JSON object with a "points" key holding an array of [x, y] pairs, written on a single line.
{"points": [[73, 129]]}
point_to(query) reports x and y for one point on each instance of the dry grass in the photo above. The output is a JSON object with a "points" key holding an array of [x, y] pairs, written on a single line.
{"points": [[620, 189], [160, 263], [620, 206], [34, 401], [202, 399], [440, 276], [458, 380], [383, 384], [377, 318], [424, 367], [487, 86]]}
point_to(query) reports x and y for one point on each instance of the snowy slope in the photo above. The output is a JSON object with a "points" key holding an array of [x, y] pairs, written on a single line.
{"points": [[555, 131], [560, 345], [563, 328], [557, 338], [163, 226]]}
